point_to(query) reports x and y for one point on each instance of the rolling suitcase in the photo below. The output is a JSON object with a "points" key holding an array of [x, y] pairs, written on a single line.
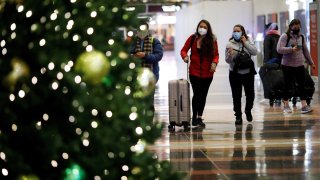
{"points": [[309, 88], [276, 84], [179, 104]]}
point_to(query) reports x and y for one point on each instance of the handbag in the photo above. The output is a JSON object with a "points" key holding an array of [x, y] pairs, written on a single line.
{"points": [[243, 60]]}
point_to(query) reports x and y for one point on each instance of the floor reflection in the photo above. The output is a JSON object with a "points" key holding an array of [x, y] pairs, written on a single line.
{"points": [[273, 146], [243, 160]]}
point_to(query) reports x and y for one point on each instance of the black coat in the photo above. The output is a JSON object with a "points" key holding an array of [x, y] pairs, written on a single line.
{"points": [[270, 47]]}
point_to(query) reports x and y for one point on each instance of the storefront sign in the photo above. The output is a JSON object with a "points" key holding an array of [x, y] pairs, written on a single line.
{"points": [[314, 30]]}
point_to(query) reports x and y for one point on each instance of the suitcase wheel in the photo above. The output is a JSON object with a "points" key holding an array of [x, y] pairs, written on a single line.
{"points": [[171, 128], [186, 126]]}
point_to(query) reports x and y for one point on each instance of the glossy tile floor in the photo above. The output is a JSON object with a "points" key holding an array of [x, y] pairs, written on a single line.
{"points": [[274, 146]]}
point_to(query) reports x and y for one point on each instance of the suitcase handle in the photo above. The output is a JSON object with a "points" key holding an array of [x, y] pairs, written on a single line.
{"points": [[181, 109]]}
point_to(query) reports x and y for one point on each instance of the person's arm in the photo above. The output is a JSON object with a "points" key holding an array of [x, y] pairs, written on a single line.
{"points": [[230, 53], [282, 43], [306, 52], [215, 59], [157, 53], [185, 48], [251, 48], [215, 53]]}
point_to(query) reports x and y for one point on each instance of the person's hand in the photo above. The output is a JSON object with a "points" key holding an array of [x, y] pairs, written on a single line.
{"points": [[295, 49], [243, 39], [186, 59], [213, 67], [230, 52], [140, 54], [313, 66]]}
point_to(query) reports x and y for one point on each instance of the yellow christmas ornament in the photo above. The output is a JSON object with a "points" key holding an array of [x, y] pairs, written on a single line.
{"points": [[19, 71], [93, 65], [146, 82], [28, 177]]}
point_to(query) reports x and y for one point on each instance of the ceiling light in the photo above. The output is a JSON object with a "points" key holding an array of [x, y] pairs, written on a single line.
{"points": [[171, 8]]}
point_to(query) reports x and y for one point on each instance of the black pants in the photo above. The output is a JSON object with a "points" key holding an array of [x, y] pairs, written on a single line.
{"points": [[200, 87], [236, 82], [291, 76]]}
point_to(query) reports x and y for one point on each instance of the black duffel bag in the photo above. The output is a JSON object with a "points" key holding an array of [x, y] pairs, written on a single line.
{"points": [[243, 60]]}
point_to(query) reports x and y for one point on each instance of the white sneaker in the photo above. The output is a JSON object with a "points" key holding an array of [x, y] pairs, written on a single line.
{"points": [[306, 109], [264, 101], [287, 109]]}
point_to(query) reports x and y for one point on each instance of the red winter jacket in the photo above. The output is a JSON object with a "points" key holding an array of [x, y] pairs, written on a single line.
{"points": [[197, 67]]}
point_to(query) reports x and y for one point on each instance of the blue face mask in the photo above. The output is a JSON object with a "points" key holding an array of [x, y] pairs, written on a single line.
{"points": [[237, 35]]}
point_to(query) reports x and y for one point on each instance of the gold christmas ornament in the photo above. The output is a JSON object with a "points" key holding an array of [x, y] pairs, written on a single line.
{"points": [[93, 65], [19, 71], [3, 3], [28, 177], [146, 82]]}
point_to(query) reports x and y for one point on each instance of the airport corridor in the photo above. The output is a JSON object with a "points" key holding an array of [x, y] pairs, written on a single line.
{"points": [[274, 146]]}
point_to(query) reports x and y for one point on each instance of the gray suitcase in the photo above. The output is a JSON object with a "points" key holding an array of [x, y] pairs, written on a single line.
{"points": [[179, 104]]}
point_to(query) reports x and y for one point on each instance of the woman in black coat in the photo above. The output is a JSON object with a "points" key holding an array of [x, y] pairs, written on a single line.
{"points": [[272, 59]]}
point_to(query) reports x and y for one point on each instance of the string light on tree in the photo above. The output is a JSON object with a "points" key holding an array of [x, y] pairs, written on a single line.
{"points": [[68, 92]]}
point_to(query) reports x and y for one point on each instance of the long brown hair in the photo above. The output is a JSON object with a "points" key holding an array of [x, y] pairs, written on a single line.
{"points": [[207, 41]]}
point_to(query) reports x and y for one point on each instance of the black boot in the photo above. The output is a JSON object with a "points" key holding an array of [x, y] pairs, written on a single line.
{"points": [[200, 122], [238, 120], [249, 116], [194, 121]]}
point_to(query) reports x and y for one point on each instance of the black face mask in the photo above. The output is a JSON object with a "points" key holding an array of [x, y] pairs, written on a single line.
{"points": [[295, 31]]}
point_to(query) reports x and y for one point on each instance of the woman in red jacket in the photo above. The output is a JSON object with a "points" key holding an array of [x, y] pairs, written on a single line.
{"points": [[203, 62]]}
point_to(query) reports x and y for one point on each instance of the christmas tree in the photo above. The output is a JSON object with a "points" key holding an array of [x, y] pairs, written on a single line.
{"points": [[73, 104]]}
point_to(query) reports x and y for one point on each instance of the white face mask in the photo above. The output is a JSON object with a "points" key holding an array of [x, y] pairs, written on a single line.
{"points": [[202, 31], [142, 34]]}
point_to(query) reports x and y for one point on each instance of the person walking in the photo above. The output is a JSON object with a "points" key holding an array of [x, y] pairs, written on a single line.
{"points": [[293, 47], [149, 50], [272, 59], [270, 42], [204, 59], [243, 77]]}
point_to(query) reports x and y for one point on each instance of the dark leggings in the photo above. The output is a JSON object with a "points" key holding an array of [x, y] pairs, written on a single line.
{"points": [[236, 82], [200, 87], [292, 75]]}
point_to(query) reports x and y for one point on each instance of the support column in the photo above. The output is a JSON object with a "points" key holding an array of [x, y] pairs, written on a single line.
{"points": [[315, 37]]}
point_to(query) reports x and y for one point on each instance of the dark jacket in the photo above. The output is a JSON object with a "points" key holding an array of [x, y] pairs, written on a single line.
{"points": [[270, 47], [152, 58]]}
